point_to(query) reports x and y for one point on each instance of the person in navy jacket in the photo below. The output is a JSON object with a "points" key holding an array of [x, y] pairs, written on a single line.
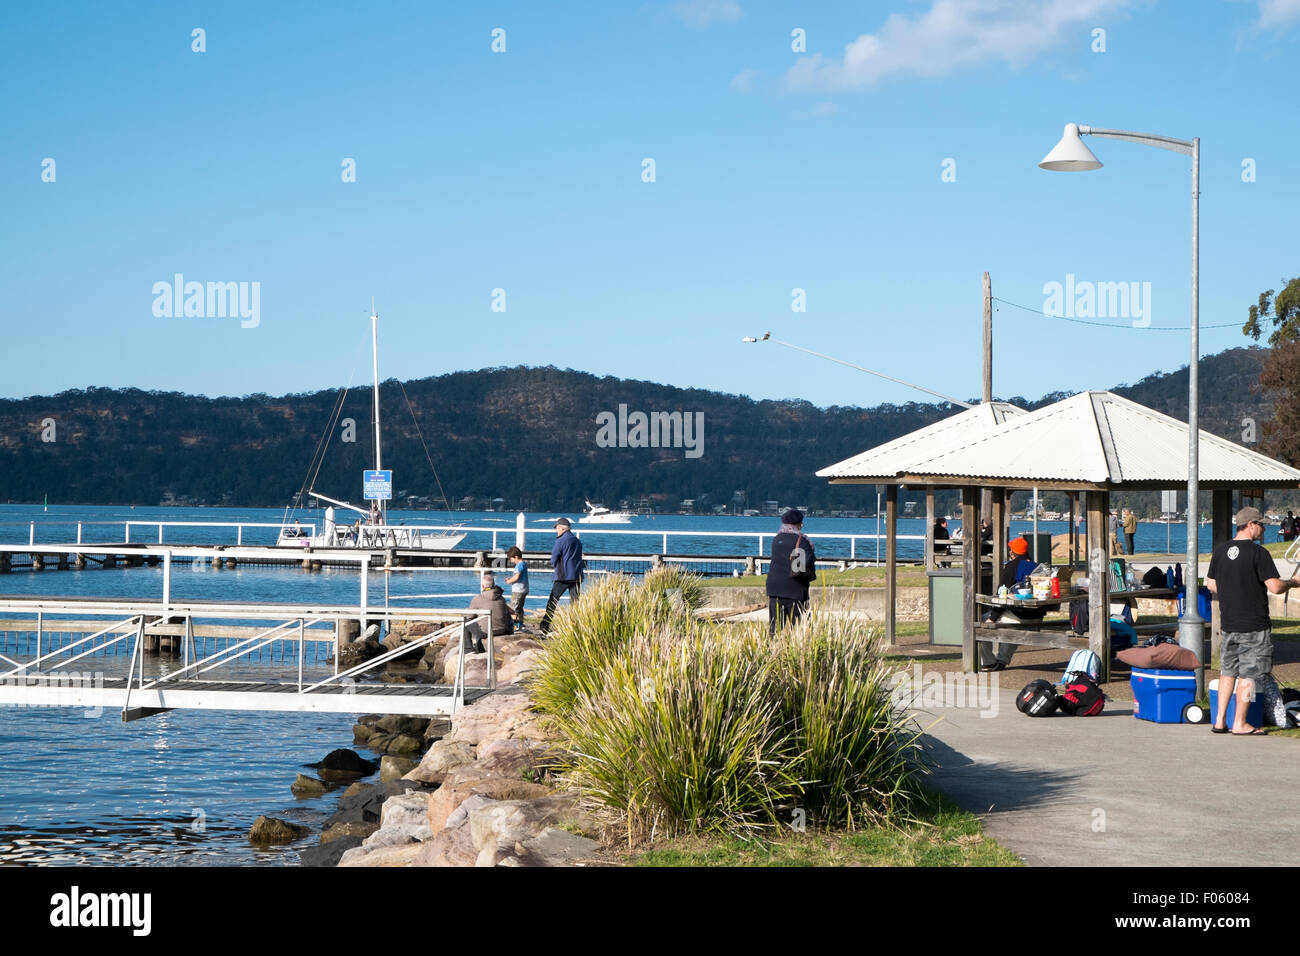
{"points": [[789, 574], [566, 559]]}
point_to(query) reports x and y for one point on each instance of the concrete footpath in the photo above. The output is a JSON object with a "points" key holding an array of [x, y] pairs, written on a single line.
{"points": [[1113, 790]]}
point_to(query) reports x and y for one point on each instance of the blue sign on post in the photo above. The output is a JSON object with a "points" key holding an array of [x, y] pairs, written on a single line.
{"points": [[378, 485]]}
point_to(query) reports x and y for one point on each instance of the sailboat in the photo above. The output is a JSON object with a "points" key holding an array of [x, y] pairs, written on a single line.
{"points": [[370, 532]]}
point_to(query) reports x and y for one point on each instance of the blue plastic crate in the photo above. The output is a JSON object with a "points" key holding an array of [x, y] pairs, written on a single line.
{"points": [[1160, 696]]}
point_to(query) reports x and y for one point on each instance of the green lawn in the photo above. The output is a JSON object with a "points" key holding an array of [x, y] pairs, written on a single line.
{"points": [[946, 836]]}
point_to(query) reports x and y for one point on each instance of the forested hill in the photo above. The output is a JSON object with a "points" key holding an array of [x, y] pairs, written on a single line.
{"points": [[529, 436]]}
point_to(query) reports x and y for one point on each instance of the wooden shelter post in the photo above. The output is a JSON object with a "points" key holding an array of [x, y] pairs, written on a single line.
{"points": [[970, 576], [1072, 542], [891, 560], [1097, 504], [999, 529]]}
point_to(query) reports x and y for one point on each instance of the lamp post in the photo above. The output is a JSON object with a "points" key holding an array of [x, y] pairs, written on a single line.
{"points": [[1071, 155]]}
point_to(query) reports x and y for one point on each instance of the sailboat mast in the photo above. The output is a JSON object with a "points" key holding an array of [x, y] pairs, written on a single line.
{"points": [[374, 342]]}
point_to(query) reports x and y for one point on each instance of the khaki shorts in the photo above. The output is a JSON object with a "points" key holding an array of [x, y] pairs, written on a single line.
{"points": [[1246, 654]]}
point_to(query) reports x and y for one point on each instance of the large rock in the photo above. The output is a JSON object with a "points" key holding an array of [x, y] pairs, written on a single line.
{"points": [[443, 757], [363, 803], [553, 847], [328, 854], [394, 768], [400, 744], [344, 764], [470, 780], [438, 728], [305, 786], [401, 855], [358, 652], [451, 846], [518, 757], [361, 733], [402, 724], [497, 827], [498, 716], [398, 835], [405, 808], [516, 667], [475, 668], [268, 830], [341, 831]]}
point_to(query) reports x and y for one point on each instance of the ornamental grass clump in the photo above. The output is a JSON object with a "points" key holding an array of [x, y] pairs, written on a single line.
{"points": [[859, 755], [674, 581], [680, 725], [683, 735], [590, 632]]}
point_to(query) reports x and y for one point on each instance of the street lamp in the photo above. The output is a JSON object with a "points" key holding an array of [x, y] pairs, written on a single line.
{"points": [[1071, 155]]}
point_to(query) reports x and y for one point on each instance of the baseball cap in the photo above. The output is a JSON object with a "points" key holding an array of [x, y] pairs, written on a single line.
{"points": [[1246, 515], [563, 521]]}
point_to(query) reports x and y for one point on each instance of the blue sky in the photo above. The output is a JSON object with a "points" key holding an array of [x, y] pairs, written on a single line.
{"points": [[522, 170]]}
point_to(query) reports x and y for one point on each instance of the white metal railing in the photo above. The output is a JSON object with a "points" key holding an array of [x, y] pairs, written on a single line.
{"points": [[407, 531]]}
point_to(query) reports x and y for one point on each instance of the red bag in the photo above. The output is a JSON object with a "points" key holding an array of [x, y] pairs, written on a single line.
{"points": [[1081, 696]]}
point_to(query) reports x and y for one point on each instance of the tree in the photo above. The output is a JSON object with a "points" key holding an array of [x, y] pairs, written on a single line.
{"points": [[1280, 374]]}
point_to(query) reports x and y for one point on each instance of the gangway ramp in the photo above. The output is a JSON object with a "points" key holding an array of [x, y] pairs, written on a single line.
{"points": [[102, 632]]}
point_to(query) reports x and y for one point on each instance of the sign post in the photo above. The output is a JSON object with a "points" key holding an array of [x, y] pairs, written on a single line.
{"points": [[378, 485]]}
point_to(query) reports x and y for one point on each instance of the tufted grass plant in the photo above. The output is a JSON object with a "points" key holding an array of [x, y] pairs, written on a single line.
{"points": [[686, 726], [859, 760], [672, 579], [593, 630]]}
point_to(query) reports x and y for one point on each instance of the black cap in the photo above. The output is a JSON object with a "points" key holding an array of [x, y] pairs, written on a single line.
{"points": [[793, 516]]}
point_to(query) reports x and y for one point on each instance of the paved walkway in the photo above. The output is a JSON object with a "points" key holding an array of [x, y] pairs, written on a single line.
{"points": [[1116, 791]]}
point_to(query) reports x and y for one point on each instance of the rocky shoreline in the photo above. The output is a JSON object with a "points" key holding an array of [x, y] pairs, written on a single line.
{"points": [[476, 790]]}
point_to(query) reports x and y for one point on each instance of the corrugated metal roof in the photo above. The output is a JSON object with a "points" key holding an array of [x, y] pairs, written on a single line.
{"points": [[1100, 438], [893, 458]]}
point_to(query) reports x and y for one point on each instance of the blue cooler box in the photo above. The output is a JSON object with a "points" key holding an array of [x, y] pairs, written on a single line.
{"points": [[1254, 711], [1160, 696]]}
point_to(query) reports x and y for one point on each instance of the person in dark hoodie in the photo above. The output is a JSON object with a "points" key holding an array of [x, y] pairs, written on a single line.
{"points": [[489, 598], [792, 569], [566, 559]]}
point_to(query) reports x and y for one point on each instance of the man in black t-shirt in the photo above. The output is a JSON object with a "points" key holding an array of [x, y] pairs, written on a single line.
{"points": [[1241, 576]]}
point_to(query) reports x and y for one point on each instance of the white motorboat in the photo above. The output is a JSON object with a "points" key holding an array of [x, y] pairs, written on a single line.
{"points": [[371, 532], [599, 514]]}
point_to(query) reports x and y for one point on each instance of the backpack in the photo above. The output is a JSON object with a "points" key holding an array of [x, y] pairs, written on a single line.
{"points": [[1082, 661], [1081, 697], [1037, 699], [1079, 615]]}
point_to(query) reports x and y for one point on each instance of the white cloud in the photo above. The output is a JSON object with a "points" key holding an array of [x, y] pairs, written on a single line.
{"points": [[1274, 13], [700, 13], [744, 80], [823, 109], [953, 34]]}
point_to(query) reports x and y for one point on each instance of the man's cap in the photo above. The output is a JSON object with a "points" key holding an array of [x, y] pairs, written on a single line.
{"points": [[1246, 515], [562, 521], [793, 516], [1019, 546]]}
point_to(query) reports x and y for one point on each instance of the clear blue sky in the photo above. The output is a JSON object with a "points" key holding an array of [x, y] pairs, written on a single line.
{"points": [[522, 170]]}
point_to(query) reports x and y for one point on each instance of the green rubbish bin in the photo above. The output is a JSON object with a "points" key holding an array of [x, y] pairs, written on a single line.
{"points": [[945, 602]]}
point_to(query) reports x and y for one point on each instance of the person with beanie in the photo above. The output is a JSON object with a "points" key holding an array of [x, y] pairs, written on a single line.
{"points": [[792, 569]]}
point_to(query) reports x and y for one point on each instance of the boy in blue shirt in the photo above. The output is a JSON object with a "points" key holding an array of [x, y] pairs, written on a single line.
{"points": [[518, 584]]}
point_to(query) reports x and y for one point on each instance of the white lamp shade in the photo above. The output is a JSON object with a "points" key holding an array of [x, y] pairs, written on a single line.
{"points": [[1070, 155]]}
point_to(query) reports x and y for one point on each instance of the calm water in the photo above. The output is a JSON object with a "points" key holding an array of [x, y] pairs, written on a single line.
{"points": [[184, 787]]}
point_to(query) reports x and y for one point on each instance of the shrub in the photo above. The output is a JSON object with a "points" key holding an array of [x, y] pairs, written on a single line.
{"points": [[685, 725]]}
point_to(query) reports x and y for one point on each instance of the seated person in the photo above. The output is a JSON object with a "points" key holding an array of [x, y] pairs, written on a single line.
{"points": [[489, 598], [941, 534], [1014, 572]]}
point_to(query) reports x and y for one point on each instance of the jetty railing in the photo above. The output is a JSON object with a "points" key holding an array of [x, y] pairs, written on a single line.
{"points": [[517, 535]]}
